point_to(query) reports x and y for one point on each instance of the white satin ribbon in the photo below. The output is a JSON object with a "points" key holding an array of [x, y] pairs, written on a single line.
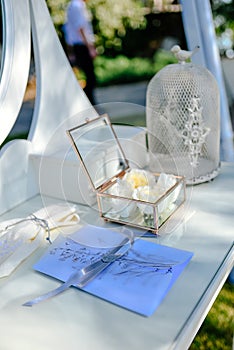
{"points": [[19, 241]]}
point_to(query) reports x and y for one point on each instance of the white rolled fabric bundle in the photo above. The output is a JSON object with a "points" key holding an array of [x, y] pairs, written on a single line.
{"points": [[20, 237]]}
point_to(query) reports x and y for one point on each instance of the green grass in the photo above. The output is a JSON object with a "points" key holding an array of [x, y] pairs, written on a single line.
{"points": [[216, 332], [122, 70]]}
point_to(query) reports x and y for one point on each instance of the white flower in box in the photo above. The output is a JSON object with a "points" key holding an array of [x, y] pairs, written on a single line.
{"points": [[122, 188], [152, 193], [138, 177]]}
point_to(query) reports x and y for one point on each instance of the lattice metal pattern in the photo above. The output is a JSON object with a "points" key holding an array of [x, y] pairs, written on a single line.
{"points": [[183, 122]]}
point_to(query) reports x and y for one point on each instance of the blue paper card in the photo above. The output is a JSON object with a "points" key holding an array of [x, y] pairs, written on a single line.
{"points": [[137, 281]]}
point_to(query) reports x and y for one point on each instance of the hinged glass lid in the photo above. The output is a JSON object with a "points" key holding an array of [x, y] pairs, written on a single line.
{"points": [[99, 150]]}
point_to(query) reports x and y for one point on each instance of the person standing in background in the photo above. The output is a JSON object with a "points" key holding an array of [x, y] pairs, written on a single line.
{"points": [[79, 35]]}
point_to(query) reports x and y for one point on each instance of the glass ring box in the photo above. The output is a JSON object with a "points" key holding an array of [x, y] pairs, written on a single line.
{"points": [[134, 197]]}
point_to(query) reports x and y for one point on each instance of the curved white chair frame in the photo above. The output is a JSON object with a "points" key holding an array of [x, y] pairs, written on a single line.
{"points": [[58, 96], [15, 61]]}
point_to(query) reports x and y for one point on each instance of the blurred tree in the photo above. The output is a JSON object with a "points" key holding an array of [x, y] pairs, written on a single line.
{"points": [[223, 13], [225, 7], [127, 27], [57, 10], [111, 21]]}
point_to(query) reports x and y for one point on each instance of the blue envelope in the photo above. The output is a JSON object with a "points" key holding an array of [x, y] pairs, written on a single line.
{"points": [[137, 281]]}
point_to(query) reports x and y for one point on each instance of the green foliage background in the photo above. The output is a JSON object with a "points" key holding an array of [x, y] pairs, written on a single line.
{"points": [[113, 20], [122, 70]]}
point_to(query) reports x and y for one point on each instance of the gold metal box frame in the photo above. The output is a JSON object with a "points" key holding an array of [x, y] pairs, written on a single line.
{"points": [[95, 140]]}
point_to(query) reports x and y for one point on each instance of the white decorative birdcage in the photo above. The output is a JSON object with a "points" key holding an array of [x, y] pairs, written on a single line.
{"points": [[183, 122]]}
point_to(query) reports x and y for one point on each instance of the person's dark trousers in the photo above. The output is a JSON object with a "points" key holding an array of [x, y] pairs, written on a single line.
{"points": [[85, 62]]}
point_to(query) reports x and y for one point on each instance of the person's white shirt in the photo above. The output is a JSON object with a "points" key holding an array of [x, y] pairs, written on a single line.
{"points": [[78, 19]]}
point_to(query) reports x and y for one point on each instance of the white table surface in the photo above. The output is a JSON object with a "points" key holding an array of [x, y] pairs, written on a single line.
{"points": [[77, 320]]}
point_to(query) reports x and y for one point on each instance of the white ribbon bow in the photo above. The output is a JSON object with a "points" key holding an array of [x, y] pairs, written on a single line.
{"points": [[19, 238]]}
